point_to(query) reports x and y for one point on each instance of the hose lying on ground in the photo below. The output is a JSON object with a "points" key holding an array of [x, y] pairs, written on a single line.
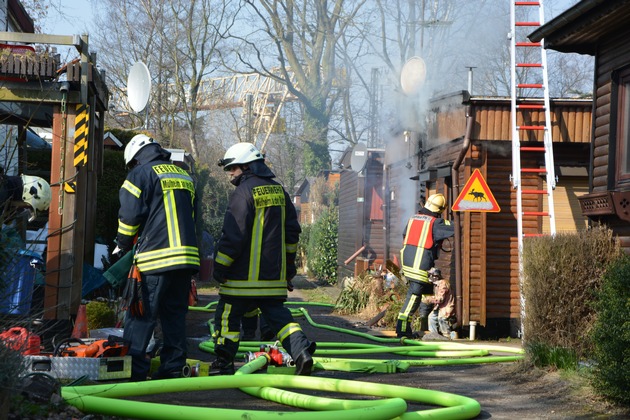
{"points": [[98, 398]]}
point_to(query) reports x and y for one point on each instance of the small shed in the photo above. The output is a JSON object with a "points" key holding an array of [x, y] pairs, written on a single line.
{"points": [[304, 197], [301, 200], [362, 240], [110, 141]]}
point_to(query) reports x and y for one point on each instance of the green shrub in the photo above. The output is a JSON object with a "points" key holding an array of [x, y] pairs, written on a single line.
{"points": [[322, 246], [99, 315], [107, 202], [611, 333], [561, 275], [352, 300], [302, 249], [213, 192]]}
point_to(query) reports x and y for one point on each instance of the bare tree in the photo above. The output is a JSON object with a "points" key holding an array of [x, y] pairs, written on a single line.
{"points": [[295, 43], [179, 41]]}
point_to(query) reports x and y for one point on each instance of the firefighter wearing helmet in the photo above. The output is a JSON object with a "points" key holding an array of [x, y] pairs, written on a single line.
{"points": [[24, 191], [422, 238], [255, 260], [157, 207]]}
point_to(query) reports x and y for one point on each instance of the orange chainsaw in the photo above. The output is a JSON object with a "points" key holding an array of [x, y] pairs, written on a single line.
{"points": [[112, 347]]}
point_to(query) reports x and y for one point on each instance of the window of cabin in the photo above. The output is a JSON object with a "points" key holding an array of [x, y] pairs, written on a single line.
{"points": [[623, 127]]}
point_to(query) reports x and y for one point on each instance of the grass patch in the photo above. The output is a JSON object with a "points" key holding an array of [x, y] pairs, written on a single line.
{"points": [[317, 295], [544, 355], [207, 289]]}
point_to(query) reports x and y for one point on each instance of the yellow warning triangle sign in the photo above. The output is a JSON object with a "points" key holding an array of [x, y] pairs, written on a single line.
{"points": [[476, 196]]}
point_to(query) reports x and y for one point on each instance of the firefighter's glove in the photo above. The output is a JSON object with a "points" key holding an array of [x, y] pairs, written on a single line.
{"points": [[290, 285], [218, 275], [118, 252], [291, 272], [117, 273]]}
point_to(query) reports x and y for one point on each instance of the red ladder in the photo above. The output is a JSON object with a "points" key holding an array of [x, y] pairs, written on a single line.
{"points": [[529, 61], [530, 93]]}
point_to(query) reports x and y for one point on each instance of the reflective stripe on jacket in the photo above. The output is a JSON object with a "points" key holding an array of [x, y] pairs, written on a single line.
{"points": [[157, 202], [259, 239], [423, 235]]}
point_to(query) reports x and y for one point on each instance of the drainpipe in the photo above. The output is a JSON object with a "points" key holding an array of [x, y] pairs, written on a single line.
{"points": [[386, 205], [456, 217]]}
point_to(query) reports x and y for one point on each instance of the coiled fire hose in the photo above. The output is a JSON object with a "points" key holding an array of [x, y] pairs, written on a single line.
{"points": [[98, 398]]}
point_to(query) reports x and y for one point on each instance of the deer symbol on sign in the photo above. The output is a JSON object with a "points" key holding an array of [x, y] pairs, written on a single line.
{"points": [[477, 196]]}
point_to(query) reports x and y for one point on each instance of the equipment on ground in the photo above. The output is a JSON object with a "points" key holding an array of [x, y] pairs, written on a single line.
{"points": [[75, 358], [274, 356], [113, 346], [22, 340]]}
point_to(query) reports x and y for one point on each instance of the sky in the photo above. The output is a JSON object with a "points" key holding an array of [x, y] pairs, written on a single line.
{"points": [[74, 20], [68, 17], [77, 15]]}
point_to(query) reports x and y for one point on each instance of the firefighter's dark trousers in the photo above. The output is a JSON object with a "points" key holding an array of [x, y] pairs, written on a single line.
{"points": [[250, 326], [165, 296], [227, 324], [413, 302]]}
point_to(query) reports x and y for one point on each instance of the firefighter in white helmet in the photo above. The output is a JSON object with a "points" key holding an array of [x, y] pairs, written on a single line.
{"points": [[157, 206], [422, 239], [24, 191], [255, 260]]}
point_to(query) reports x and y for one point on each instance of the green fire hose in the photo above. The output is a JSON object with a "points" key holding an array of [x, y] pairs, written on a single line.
{"points": [[97, 398]]}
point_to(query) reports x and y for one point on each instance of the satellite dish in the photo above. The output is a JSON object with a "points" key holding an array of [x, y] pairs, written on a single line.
{"points": [[138, 86], [413, 75], [359, 157]]}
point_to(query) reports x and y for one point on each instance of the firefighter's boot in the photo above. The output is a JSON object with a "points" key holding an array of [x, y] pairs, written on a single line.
{"points": [[221, 366], [304, 361]]}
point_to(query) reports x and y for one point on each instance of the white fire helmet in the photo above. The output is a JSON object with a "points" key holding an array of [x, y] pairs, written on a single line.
{"points": [[36, 192], [435, 203], [240, 154], [133, 147]]}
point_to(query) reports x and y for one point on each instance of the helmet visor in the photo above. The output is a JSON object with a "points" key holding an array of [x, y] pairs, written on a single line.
{"points": [[225, 163]]}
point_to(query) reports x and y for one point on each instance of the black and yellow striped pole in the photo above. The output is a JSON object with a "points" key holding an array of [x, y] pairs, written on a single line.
{"points": [[81, 124]]}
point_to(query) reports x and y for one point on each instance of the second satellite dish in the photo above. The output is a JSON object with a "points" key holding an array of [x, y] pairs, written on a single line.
{"points": [[413, 75], [359, 157], [138, 86]]}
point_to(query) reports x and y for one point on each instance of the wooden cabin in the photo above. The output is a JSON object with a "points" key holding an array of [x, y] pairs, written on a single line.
{"points": [[486, 276], [601, 29]]}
